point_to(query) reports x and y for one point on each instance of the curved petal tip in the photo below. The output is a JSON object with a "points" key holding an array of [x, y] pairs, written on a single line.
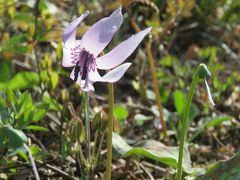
{"points": [[69, 33]]}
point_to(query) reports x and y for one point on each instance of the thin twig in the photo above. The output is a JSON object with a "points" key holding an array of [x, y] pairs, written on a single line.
{"points": [[146, 171], [32, 162], [59, 171], [155, 81], [156, 168]]}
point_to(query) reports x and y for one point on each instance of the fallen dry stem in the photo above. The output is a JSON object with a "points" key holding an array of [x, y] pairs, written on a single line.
{"points": [[155, 81]]}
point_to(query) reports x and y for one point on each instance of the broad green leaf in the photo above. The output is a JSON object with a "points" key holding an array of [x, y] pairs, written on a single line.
{"points": [[22, 154], [39, 111], [14, 137], [15, 49], [54, 79], [24, 102], [120, 112], [179, 99], [53, 104], [21, 80], [11, 97], [36, 128], [15, 40], [154, 150], [224, 170]]}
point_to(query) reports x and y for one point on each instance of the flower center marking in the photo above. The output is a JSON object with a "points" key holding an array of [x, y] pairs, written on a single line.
{"points": [[85, 62]]}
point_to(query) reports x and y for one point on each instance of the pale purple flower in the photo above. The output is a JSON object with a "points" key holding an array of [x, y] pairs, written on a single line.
{"points": [[83, 54]]}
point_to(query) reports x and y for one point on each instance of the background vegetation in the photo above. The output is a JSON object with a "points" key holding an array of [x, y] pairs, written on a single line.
{"points": [[36, 93]]}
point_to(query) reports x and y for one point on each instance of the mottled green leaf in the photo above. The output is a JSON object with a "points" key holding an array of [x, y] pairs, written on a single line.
{"points": [[14, 138], [224, 170], [154, 150]]}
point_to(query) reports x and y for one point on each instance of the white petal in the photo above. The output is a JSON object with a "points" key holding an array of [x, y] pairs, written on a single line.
{"points": [[68, 54], [69, 33], [209, 93], [101, 33], [115, 74], [121, 52], [82, 83], [112, 76]]}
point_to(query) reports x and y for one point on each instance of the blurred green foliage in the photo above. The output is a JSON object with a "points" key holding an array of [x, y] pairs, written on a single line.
{"points": [[32, 81]]}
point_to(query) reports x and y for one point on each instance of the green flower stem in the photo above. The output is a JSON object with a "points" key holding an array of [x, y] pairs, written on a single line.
{"points": [[184, 127], [95, 143], [87, 124], [110, 129], [99, 150], [88, 135], [81, 156]]}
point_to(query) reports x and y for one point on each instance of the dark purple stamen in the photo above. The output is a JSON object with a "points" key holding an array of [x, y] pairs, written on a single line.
{"points": [[85, 59], [76, 71]]}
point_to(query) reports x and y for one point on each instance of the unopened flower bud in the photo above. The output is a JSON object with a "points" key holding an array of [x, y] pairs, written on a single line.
{"points": [[76, 130], [203, 72], [100, 121]]}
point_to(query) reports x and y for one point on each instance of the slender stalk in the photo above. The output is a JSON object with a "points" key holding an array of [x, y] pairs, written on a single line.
{"points": [[155, 81], [95, 143], [110, 129], [99, 149], [87, 126], [184, 126], [156, 90], [82, 158], [32, 162]]}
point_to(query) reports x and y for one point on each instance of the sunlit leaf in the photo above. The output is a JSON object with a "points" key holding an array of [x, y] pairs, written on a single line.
{"points": [[54, 79], [53, 104], [179, 99], [21, 80], [36, 128], [39, 111], [24, 102], [153, 150], [120, 112]]}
